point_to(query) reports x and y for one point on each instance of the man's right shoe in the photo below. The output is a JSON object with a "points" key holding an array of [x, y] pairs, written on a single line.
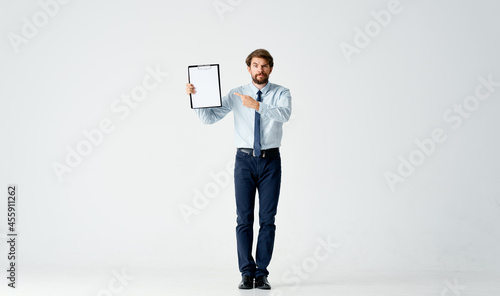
{"points": [[246, 282]]}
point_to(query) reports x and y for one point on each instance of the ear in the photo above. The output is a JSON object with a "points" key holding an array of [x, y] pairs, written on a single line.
{"points": [[249, 71], [270, 71]]}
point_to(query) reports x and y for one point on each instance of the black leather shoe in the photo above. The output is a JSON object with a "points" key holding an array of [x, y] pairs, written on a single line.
{"points": [[262, 283], [246, 282]]}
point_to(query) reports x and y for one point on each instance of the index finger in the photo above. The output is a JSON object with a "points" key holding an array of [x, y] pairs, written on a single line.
{"points": [[239, 95]]}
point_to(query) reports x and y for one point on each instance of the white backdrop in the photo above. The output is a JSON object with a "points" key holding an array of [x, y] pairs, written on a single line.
{"points": [[392, 151]]}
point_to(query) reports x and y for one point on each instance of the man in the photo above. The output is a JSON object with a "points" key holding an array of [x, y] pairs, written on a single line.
{"points": [[260, 108]]}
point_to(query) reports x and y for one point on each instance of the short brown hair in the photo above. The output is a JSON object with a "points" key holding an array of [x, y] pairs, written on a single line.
{"points": [[260, 53]]}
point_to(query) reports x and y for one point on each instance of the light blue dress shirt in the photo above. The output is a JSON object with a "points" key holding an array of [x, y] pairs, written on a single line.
{"points": [[275, 109]]}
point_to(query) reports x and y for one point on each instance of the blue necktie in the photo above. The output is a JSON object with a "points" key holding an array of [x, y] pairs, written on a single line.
{"points": [[256, 130]]}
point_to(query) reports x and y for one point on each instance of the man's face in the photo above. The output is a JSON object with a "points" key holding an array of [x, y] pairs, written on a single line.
{"points": [[259, 70]]}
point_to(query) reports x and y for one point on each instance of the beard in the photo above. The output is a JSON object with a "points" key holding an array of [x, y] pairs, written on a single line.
{"points": [[260, 80]]}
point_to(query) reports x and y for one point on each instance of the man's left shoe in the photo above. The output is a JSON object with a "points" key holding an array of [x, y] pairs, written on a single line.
{"points": [[262, 283]]}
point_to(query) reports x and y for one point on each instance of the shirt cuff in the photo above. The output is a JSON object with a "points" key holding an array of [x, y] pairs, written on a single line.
{"points": [[262, 108]]}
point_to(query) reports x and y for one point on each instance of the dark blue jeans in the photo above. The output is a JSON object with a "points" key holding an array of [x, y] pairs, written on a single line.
{"points": [[253, 174]]}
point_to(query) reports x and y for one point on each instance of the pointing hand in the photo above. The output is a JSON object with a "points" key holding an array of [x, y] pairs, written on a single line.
{"points": [[248, 101]]}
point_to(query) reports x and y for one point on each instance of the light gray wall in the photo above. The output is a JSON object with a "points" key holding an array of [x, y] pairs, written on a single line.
{"points": [[360, 105]]}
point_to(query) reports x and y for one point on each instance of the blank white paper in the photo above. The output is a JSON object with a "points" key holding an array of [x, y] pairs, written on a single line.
{"points": [[206, 81]]}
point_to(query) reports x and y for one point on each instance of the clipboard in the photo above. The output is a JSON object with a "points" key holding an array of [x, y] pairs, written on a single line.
{"points": [[206, 80]]}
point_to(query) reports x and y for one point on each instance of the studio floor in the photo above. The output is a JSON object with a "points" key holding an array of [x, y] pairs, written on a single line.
{"points": [[155, 281]]}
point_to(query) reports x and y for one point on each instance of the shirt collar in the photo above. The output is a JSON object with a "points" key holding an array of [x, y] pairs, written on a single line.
{"points": [[264, 90]]}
